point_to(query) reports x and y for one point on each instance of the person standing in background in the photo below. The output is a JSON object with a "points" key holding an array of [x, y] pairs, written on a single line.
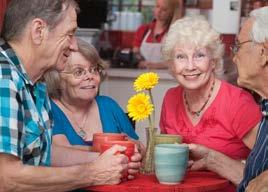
{"points": [[251, 59], [148, 37]]}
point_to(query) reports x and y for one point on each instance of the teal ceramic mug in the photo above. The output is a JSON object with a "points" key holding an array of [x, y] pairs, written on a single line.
{"points": [[171, 162]]}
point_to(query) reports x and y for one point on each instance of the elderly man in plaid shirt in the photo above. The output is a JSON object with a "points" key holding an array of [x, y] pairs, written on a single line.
{"points": [[38, 35]]}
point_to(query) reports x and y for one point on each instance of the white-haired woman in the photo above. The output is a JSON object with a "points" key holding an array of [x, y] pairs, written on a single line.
{"points": [[218, 120]]}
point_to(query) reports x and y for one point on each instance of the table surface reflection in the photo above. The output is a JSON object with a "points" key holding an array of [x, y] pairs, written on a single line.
{"points": [[194, 181]]}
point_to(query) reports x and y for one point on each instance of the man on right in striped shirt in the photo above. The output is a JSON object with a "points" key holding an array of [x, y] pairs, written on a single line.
{"points": [[251, 58]]}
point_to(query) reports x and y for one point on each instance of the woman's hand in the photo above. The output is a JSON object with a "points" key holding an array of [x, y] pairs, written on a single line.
{"points": [[259, 183]]}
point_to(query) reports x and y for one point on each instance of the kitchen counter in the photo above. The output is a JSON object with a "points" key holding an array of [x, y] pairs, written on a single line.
{"points": [[133, 73]]}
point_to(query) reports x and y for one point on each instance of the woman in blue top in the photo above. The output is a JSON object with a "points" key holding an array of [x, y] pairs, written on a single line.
{"points": [[78, 112]]}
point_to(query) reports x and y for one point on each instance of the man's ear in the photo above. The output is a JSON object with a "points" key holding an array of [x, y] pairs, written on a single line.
{"points": [[37, 30]]}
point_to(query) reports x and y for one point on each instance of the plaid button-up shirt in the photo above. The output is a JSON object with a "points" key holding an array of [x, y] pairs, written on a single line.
{"points": [[25, 116]]}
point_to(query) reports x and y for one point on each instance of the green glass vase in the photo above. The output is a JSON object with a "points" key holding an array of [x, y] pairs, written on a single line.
{"points": [[148, 160]]}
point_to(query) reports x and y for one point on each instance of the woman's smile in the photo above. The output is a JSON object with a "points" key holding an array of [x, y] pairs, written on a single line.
{"points": [[191, 76], [88, 87]]}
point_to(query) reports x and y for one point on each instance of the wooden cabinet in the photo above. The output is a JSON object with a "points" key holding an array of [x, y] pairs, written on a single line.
{"points": [[200, 4], [205, 4]]}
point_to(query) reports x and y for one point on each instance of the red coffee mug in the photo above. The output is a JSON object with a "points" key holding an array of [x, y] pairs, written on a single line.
{"points": [[99, 138], [129, 152]]}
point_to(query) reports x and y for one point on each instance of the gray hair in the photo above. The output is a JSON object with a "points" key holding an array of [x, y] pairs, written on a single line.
{"points": [[195, 30], [92, 55], [259, 31], [53, 78], [20, 12]]}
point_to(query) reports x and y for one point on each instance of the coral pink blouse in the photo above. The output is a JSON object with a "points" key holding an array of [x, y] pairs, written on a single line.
{"points": [[231, 115]]}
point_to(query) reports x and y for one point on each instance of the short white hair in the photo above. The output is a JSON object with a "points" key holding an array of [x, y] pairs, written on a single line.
{"points": [[197, 31], [259, 31]]}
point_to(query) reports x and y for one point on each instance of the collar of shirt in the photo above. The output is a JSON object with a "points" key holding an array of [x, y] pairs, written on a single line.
{"points": [[264, 107], [11, 55]]}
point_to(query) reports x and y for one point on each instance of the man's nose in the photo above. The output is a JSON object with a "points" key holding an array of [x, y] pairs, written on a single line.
{"points": [[74, 45]]}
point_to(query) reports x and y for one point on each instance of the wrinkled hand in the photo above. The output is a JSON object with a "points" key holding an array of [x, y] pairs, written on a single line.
{"points": [[109, 168], [198, 157], [134, 164], [259, 184]]}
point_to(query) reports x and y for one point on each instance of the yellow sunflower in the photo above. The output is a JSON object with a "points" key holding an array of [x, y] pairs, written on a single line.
{"points": [[146, 81], [139, 107]]}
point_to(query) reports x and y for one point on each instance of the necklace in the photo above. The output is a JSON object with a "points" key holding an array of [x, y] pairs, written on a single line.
{"points": [[198, 112], [81, 132], [79, 128]]}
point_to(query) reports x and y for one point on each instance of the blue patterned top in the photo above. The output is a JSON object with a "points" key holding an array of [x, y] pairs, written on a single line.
{"points": [[257, 161], [113, 120], [25, 126]]}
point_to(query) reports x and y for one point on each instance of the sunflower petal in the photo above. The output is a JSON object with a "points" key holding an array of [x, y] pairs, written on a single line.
{"points": [[146, 81], [139, 107]]}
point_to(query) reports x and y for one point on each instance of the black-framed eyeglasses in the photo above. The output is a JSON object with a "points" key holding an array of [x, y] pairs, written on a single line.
{"points": [[80, 73], [236, 46]]}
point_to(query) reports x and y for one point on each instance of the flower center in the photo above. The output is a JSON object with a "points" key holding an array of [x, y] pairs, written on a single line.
{"points": [[141, 108]]}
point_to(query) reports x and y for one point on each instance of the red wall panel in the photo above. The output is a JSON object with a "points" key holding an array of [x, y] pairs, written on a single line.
{"points": [[3, 6]]}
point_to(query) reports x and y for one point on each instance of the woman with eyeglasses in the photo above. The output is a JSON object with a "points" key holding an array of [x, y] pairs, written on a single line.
{"points": [[78, 110], [218, 120]]}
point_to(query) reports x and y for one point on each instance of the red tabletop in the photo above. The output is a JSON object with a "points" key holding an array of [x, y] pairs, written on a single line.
{"points": [[194, 181]]}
